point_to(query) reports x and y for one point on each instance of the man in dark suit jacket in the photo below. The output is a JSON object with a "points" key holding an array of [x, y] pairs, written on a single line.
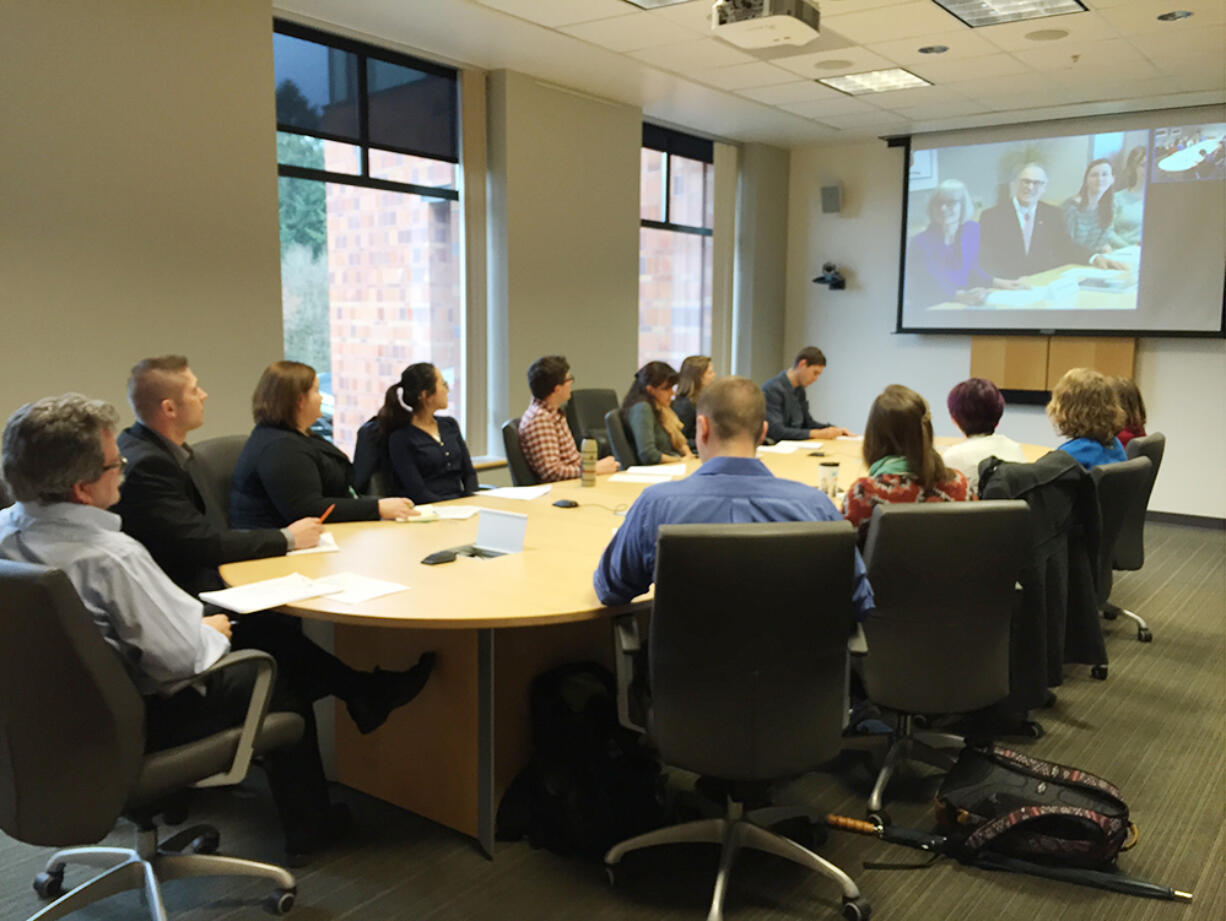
{"points": [[1024, 235]]}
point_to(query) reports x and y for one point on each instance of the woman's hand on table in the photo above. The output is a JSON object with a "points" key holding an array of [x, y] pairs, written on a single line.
{"points": [[394, 507]]}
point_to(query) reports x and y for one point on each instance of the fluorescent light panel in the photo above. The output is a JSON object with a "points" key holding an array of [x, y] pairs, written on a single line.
{"points": [[654, 4], [976, 13], [874, 81]]}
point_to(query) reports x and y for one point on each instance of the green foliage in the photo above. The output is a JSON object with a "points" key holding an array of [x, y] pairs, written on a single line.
{"points": [[304, 216], [304, 305]]}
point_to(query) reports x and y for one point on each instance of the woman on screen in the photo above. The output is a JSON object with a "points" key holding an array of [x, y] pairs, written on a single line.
{"points": [[902, 464], [1090, 215], [696, 372], [1129, 201], [1085, 410], [653, 426]]}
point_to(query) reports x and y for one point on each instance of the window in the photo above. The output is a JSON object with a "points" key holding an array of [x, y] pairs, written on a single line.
{"points": [[677, 185], [367, 156]]}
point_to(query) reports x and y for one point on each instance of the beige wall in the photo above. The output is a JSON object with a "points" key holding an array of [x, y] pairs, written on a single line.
{"points": [[138, 197], [563, 237]]}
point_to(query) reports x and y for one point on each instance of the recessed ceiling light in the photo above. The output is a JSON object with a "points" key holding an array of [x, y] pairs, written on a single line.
{"points": [[976, 13], [1174, 16], [874, 81], [1047, 35], [654, 4], [934, 49], [834, 64]]}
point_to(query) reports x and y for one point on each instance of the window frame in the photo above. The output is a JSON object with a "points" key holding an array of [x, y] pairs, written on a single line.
{"points": [[675, 143]]}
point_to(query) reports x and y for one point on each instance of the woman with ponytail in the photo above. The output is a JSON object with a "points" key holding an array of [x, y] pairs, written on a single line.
{"points": [[648, 415]]}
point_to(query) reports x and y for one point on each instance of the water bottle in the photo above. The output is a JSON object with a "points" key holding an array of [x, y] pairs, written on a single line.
{"points": [[588, 450]]}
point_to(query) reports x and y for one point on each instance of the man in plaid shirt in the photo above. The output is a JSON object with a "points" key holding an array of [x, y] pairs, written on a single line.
{"points": [[544, 435]]}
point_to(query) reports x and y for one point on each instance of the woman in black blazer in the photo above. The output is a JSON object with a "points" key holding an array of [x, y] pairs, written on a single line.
{"points": [[426, 454], [284, 472]]}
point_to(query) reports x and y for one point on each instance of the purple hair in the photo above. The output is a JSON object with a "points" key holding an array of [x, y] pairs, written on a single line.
{"points": [[976, 406]]}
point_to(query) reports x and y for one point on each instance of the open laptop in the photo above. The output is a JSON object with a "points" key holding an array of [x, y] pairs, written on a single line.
{"points": [[498, 533]]}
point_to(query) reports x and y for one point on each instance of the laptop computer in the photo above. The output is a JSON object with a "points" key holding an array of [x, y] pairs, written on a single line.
{"points": [[498, 533]]}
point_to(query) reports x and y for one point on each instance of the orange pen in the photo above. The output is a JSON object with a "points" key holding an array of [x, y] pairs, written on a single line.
{"points": [[327, 512]]}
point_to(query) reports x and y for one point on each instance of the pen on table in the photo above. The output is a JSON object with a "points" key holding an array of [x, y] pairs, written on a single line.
{"points": [[327, 512]]}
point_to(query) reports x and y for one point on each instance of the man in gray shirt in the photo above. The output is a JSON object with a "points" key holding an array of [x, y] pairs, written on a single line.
{"points": [[787, 407]]}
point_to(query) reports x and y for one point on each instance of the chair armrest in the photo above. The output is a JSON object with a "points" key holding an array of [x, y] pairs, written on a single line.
{"points": [[257, 709], [857, 643], [626, 647]]}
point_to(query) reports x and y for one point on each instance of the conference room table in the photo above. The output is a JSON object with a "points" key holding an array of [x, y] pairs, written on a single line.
{"points": [[495, 624], [1074, 297]]}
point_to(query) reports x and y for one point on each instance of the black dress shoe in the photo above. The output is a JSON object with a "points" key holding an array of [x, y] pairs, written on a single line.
{"points": [[385, 691]]}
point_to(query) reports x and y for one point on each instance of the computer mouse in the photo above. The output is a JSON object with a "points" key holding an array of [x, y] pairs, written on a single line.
{"points": [[439, 556], [566, 503]]}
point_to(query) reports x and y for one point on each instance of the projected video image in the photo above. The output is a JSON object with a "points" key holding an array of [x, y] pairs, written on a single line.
{"points": [[1189, 153], [1044, 224]]}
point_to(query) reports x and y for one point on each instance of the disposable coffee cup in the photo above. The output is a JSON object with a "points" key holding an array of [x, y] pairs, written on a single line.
{"points": [[828, 477]]}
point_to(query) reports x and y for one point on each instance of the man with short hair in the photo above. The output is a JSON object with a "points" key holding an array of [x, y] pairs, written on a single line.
{"points": [[731, 486], [544, 434], [787, 407]]}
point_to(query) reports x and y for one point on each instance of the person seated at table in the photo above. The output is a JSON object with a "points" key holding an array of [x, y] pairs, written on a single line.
{"points": [[976, 406], [1128, 395], [544, 434], [286, 472], [1090, 215], [731, 487], [696, 372], [1129, 204], [787, 407], [650, 421], [425, 453], [902, 464], [1085, 410]]}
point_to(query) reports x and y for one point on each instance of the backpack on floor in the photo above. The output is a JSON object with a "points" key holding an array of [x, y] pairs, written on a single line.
{"points": [[995, 799]]}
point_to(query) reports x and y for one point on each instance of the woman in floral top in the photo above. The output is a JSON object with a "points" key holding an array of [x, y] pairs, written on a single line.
{"points": [[902, 464]]}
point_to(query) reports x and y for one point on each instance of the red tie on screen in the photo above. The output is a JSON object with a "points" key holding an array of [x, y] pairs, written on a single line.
{"points": [[1027, 228]]}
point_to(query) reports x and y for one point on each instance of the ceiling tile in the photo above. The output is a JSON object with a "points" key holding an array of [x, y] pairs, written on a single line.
{"points": [[689, 56], [949, 109], [843, 7], [695, 15], [1141, 16], [629, 33], [745, 76], [858, 60], [1174, 45], [891, 22], [943, 70], [845, 105], [919, 95], [804, 91], [963, 43], [1081, 27], [885, 122], [555, 13], [1021, 90], [1117, 56]]}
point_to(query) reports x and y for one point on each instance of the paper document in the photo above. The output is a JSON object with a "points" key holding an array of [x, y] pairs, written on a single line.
{"points": [[788, 447], [518, 492], [636, 478], [850, 438], [424, 514], [351, 588], [456, 512], [270, 593], [327, 544], [657, 470]]}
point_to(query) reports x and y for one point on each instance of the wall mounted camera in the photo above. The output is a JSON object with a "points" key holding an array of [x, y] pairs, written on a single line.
{"points": [[831, 276]]}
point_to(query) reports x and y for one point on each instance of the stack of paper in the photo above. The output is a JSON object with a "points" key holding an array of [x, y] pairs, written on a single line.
{"points": [[523, 493], [789, 447], [649, 473], [270, 593], [327, 544]]}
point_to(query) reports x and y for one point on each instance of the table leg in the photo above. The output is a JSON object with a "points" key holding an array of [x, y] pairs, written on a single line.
{"points": [[487, 806]]}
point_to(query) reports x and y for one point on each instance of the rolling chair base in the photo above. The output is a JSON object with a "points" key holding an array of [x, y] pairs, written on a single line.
{"points": [[146, 867], [908, 744], [1111, 612], [738, 829]]}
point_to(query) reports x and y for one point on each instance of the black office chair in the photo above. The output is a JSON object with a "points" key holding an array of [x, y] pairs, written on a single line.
{"points": [[943, 577], [619, 441], [74, 761], [521, 473], [1123, 492], [1130, 545], [215, 460], [743, 691], [585, 412]]}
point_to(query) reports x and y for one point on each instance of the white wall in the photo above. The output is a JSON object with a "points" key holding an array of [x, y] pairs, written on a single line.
{"points": [[1183, 380]]}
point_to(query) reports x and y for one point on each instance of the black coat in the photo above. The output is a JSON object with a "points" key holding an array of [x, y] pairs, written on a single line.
{"points": [[177, 518], [1059, 620], [283, 475], [1003, 254]]}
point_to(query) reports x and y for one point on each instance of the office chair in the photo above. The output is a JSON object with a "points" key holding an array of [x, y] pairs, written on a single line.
{"points": [[743, 692], [215, 460], [585, 413], [74, 735], [521, 473], [619, 441], [943, 577], [1130, 545], [1123, 492]]}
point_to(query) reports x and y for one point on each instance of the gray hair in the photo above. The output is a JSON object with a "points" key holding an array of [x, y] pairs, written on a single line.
{"points": [[53, 443], [951, 190]]}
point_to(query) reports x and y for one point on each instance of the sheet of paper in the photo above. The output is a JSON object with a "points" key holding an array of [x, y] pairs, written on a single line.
{"points": [[657, 470], [636, 478], [425, 513], [270, 593], [327, 544], [788, 447], [525, 493], [351, 588], [850, 438], [456, 512]]}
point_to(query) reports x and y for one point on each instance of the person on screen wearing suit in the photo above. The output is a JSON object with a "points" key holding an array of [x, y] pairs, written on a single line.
{"points": [[1024, 235]]}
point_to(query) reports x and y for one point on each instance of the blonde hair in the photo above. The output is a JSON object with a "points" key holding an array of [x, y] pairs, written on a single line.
{"points": [[951, 190], [1083, 405]]}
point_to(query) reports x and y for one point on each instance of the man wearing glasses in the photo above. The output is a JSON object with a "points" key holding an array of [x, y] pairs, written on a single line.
{"points": [[544, 435], [1025, 235]]}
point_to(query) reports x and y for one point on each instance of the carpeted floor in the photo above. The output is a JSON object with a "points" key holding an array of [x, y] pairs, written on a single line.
{"points": [[1155, 728]]}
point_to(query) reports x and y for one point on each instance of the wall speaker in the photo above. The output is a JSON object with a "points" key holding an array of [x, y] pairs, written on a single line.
{"points": [[832, 199]]}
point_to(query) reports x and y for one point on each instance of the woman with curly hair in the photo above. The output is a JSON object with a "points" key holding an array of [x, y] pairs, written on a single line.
{"points": [[1085, 410]]}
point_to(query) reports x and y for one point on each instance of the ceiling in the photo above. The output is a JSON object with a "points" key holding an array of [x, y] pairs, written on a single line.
{"points": [[1116, 57]]}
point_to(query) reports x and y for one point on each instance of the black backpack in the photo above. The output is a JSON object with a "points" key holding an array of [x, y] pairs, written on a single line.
{"points": [[591, 783]]}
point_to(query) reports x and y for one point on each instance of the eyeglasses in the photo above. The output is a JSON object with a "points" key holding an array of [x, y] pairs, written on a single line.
{"points": [[570, 379], [120, 464], [1034, 182]]}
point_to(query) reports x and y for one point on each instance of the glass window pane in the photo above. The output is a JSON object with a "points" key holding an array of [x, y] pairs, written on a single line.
{"points": [[651, 185], [674, 296], [396, 167], [370, 283], [687, 193], [317, 86], [708, 183], [316, 153], [411, 109]]}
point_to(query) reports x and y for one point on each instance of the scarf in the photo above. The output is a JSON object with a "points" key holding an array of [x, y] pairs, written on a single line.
{"points": [[891, 463]]}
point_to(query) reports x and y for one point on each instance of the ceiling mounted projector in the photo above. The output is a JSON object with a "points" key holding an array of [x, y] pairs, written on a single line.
{"points": [[765, 23]]}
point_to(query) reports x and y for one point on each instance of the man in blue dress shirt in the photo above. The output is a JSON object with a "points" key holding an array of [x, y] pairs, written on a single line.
{"points": [[731, 486]]}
